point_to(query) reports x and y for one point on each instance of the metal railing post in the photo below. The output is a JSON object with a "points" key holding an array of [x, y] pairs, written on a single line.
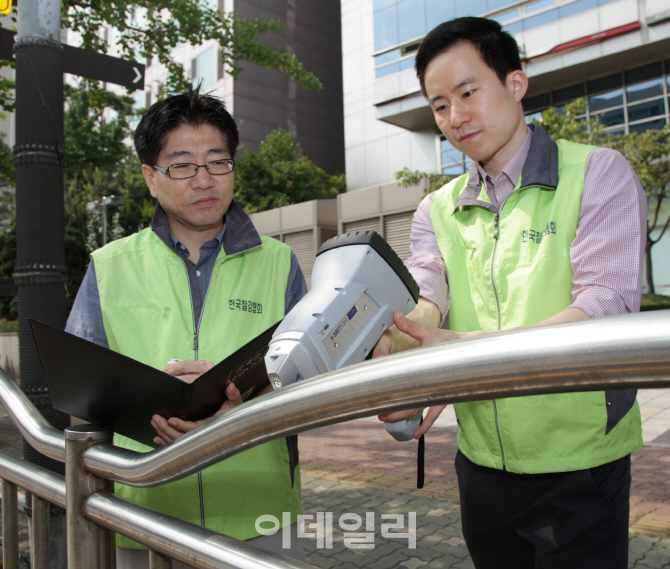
{"points": [[88, 545], [10, 526], [158, 561], [40, 545]]}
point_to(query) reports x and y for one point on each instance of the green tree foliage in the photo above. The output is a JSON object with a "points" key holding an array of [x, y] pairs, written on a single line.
{"points": [[7, 86], [6, 165], [8, 304], [98, 163], [432, 180], [7, 198], [153, 29], [280, 174], [570, 123], [85, 108], [83, 229], [648, 153]]}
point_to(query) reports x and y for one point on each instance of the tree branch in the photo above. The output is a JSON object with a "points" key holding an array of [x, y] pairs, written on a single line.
{"points": [[660, 236], [656, 212]]}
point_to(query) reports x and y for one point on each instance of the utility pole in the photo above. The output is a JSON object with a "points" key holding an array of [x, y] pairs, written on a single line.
{"points": [[40, 234], [39, 160]]}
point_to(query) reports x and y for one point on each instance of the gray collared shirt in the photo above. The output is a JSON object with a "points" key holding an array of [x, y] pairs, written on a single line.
{"points": [[200, 273]]}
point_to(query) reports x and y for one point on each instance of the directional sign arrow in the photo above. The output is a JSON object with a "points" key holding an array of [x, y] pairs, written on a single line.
{"points": [[101, 67], [87, 63]]}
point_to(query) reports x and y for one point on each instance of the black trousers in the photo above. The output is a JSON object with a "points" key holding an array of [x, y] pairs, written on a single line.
{"points": [[566, 520]]}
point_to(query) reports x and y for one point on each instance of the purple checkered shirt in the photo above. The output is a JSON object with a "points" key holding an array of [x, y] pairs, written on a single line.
{"points": [[607, 254]]}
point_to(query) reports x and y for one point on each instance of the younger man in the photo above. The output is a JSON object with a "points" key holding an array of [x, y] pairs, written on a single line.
{"points": [[537, 233]]}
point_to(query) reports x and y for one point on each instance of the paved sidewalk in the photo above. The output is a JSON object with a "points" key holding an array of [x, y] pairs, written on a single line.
{"points": [[357, 467]]}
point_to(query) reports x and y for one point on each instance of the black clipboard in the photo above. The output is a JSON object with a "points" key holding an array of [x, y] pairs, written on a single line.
{"points": [[101, 386]]}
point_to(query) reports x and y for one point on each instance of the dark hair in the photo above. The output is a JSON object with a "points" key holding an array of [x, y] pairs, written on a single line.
{"points": [[191, 109], [497, 49]]}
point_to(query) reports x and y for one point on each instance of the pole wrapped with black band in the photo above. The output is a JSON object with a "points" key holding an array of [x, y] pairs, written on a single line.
{"points": [[40, 234], [40, 237]]}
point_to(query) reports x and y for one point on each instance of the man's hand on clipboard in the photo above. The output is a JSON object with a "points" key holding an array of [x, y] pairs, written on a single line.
{"points": [[186, 370], [172, 428]]}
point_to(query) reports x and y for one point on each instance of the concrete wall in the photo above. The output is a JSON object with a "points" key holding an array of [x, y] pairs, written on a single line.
{"points": [[303, 226], [296, 217], [9, 353], [377, 201]]}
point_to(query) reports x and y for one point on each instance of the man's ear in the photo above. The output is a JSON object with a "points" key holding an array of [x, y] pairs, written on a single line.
{"points": [[518, 82], [148, 172]]}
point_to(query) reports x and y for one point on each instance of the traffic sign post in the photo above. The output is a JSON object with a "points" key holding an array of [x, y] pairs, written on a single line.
{"points": [[40, 248], [41, 61], [86, 63], [101, 67]]}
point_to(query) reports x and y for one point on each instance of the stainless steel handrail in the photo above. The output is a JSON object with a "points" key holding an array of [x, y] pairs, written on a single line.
{"points": [[612, 353], [39, 433], [178, 539], [35, 479], [630, 351], [164, 534]]}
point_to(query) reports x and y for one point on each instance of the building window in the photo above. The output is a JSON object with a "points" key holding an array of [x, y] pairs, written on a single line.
{"points": [[633, 101], [203, 68], [452, 161]]}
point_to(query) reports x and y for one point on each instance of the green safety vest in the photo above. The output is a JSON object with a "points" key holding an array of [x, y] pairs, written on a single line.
{"points": [[147, 314], [511, 269]]}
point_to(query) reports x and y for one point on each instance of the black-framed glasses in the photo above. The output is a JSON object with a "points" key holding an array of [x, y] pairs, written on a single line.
{"points": [[181, 171]]}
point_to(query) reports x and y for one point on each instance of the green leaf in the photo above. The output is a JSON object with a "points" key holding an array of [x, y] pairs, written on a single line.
{"points": [[280, 174]]}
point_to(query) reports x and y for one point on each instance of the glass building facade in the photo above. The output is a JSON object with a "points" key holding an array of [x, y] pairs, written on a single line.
{"points": [[400, 24], [614, 53], [625, 102], [633, 101]]}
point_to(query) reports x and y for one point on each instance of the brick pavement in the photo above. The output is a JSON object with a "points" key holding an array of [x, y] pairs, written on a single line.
{"points": [[439, 541], [360, 456]]}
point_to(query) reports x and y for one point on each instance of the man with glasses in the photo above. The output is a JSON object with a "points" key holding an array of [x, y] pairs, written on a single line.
{"points": [[184, 294]]}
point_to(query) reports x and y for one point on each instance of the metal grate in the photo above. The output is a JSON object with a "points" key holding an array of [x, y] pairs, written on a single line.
{"points": [[302, 244], [364, 225], [396, 233]]}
